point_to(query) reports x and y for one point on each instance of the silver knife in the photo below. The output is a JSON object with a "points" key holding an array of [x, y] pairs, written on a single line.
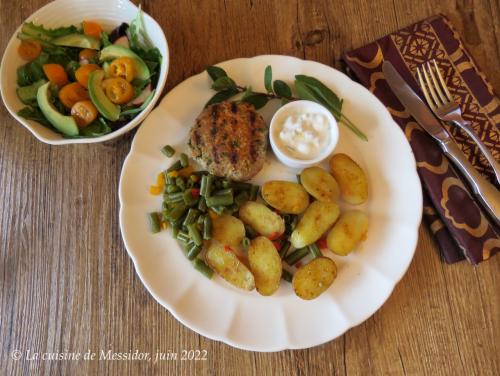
{"points": [[487, 194]]}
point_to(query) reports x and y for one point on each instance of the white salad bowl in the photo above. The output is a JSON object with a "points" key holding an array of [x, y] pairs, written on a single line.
{"points": [[109, 13]]}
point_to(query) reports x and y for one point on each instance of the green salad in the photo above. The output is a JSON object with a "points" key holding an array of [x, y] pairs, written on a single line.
{"points": [[82, 81]]}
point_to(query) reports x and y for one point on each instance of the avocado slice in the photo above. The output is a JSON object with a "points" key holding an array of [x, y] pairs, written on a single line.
{"points": [[115, 51], [64, 124], [27, 94], [78, 40], [107, 108]]}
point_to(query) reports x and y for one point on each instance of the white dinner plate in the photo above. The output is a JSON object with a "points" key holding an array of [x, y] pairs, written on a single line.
{"points": [[248, 320]]}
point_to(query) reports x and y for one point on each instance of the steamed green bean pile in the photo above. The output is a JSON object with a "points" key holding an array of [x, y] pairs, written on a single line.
{"points": [[188, 198]]}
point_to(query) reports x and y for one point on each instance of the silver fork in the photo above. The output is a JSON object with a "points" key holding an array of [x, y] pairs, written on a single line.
{"points": [[444, 107]]}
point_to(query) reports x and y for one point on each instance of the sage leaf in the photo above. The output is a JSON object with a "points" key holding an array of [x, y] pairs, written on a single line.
{"points": [[268, 78], [303, 92], [222, 96], [216, 72], [223, 83], [321, 89], [282, 89], [258, 100], [248, 92]]}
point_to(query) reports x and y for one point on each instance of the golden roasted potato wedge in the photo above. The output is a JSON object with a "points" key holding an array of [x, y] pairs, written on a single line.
{"points": [[265, 264], [320, 184], [228, 230], [224, 262], [351, 178], [285, 196], [318, 217], [311, 280], [349, 230], [262, 219]]}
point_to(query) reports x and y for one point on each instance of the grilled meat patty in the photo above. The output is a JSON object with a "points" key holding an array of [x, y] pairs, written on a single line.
{"points": [[230, 139]]}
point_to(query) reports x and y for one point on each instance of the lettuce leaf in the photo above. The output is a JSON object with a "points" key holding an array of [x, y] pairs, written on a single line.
{"points": [[34, 113], [40, 32]]}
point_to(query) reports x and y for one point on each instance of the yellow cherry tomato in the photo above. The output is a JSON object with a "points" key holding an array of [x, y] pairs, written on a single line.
{"points": [[118, 90], [122, 67], [84, 113]]}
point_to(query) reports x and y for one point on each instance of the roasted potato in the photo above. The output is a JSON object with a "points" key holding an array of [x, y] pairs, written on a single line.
{"points": [[311, 280], [318, 217], [265, 264], [224, 262], [228, 230], [351, 178], [285, 196], [320, 184], [262, 219], [349, 230]]}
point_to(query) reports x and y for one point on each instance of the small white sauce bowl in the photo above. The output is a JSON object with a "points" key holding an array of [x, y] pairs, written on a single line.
{"points": [[296, 107]]}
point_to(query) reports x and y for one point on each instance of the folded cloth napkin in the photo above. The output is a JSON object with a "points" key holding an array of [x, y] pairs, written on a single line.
{"points": [[460, 227]]}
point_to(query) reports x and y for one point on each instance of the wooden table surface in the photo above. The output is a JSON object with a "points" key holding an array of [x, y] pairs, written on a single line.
{"points": [[67, 283]]}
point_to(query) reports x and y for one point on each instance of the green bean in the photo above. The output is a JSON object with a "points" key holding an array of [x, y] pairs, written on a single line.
{"points": [[184, 160], [296, 256], [189, 183], [175, 230], [219, 210], [168, 150], [176, 166], [227, 183], [201, 220], [223, 192], [183, 236], [179, 181], [191, 217], [164, 206], [154, 222], [218, 183], [254, 191], [175, 197], [188, 198], [207, 228], [314, 250], [200, 173], [225, 199], [193, 251], [290, 224], [203, 268], [242, 186], [284, 249], [172, 188], [194, 234], [245, 242], [177, 212], [202, 205], [250, 232], [241, 198], [206, 185], [286, 275], [169, 179]]}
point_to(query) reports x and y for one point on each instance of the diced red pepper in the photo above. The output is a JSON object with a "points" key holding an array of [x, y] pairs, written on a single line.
{"points": [[227, 248], [321, 243], [274, 236], [277, 245], [195, 192]]}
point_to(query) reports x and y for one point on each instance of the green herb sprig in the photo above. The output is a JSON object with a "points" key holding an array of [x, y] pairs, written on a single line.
{"points": [[306, 87]]}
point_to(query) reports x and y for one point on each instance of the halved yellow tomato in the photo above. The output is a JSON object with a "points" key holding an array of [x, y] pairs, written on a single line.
{"points": [[122, 67], [84, 113], [118, 90]]}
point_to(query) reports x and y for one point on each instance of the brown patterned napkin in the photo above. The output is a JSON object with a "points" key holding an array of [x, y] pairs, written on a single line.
{"points": [[460, 227]]}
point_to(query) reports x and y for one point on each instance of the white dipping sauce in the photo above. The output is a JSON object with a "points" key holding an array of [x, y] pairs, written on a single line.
{"points": [[303, 135]]}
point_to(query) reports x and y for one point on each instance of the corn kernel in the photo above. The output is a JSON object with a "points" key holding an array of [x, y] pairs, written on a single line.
{"points": [[155, 190], [173, 174]]}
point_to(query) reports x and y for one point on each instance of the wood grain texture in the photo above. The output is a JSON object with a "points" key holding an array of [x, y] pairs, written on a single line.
{"points": [[67, 283]]}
